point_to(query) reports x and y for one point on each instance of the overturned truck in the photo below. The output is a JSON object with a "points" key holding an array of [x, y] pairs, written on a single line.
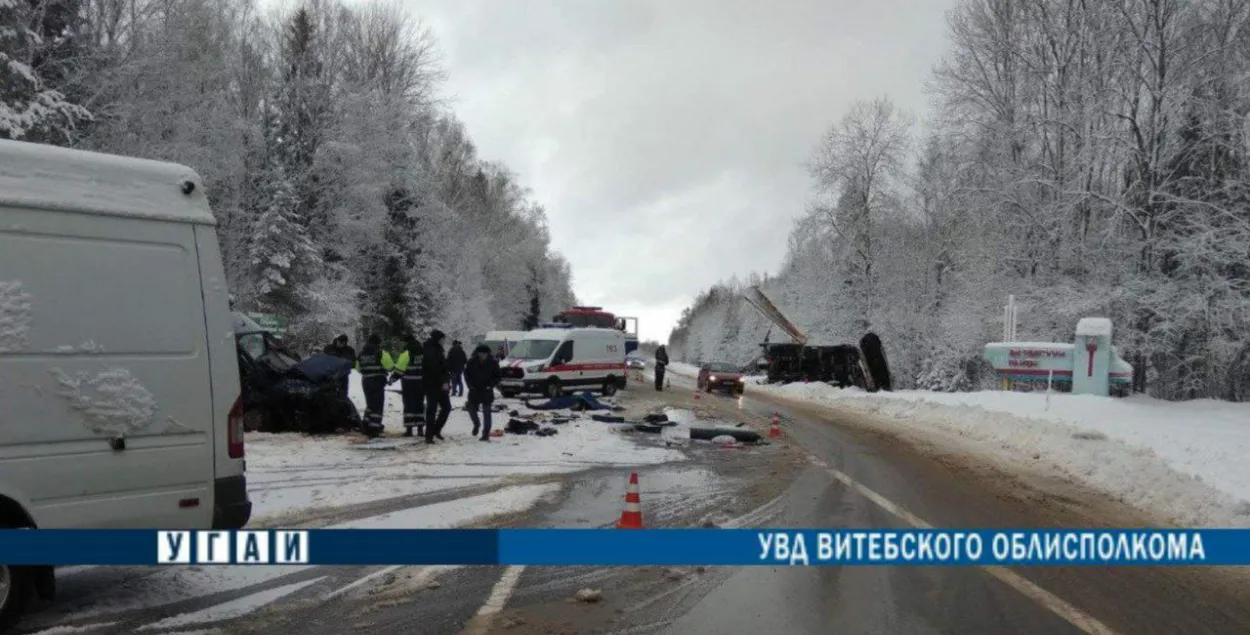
{"points": [[844, 365]]}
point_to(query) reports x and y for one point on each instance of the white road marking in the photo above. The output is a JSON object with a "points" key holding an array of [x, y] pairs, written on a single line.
{"points": [[499, 596], [502, 592], [372, 576], [1074, 616]]}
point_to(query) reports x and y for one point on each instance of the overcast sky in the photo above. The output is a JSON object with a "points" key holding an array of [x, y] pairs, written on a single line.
{"points": [[667, 139]]}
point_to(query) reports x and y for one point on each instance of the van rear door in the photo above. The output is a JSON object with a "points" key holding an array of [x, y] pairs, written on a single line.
{"points": [[107, 418]]}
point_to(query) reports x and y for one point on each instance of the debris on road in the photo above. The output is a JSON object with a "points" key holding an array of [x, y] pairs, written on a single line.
{"points": [[589, 596], [737, 434]]}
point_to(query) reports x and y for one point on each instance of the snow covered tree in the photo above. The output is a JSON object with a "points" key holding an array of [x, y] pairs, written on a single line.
{"points": [[283, 258], [29, 108]]}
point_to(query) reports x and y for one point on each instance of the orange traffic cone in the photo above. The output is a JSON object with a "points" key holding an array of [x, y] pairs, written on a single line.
{"points": [[775, 430], [696, 394], [631, 516]]}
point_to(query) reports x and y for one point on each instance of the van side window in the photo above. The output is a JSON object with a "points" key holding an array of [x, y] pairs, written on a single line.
{"points": [[565, 353]]}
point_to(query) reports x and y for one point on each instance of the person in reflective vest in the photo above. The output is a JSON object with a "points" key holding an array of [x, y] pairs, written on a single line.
{"points": [[374, 365], [408, 371]]}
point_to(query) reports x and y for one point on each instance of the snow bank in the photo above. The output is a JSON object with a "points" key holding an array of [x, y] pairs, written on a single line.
{"points": [[1185, 461], [289, 473], [682, 368]]}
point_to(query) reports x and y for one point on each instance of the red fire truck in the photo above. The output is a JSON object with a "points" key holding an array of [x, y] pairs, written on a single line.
{"points": [[596, 317]]}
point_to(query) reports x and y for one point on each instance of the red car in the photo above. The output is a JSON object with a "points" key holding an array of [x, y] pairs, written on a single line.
{"points": [[721, 376]]}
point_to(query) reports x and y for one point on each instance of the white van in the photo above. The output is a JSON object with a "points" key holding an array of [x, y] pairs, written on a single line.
{"points": [[118, 369], [502, 341], [548, 361]]}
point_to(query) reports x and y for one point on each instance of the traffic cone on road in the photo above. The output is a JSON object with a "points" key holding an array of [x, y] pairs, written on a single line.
{"points": [[696, 394], [774, 431], [631, 516]]}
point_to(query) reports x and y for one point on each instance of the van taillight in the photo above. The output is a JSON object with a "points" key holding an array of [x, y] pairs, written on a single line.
{"points": [[234, 423]]}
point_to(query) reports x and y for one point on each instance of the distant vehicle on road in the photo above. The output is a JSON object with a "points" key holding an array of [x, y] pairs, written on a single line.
{"points": [[596, 317], [721, 376], [636, 363], [501, 342]]}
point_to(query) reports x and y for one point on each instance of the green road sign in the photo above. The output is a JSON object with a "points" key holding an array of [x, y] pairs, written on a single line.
{"points": [[275, 324]]}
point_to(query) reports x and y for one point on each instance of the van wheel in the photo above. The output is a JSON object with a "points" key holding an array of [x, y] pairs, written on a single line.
{"points": [[554, 389], [609, 386], [17, 591]]}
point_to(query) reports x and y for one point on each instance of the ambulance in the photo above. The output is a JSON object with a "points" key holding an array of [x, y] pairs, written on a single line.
{"points": [[559, 358]]}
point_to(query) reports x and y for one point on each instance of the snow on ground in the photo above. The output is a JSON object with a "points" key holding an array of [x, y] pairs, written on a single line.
{"points": [[290, 474], [461, 511], [176, 584], [1185, 461]]}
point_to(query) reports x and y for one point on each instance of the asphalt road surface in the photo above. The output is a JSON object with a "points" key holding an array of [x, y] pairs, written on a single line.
{"points": [[827, 471]]}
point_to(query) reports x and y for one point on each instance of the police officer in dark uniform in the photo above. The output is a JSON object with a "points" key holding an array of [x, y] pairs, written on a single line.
{"points": [[374, 365], [661, 363], [408, 370]]}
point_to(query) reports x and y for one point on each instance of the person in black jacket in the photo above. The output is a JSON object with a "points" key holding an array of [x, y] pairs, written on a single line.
{"points": [[661, 362], [340, 348], [456, 361], [482, 374], [436, 378]]}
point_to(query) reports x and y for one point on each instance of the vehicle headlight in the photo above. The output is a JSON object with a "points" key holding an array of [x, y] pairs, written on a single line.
{"points": [[712, 378], [742, 379]]}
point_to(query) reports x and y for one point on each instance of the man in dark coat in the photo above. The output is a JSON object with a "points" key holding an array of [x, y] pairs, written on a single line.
{"points": [[340, 348], [408, 370], [661, 362], [374, 365], [436, 379], [482, 374], [456, 360]]}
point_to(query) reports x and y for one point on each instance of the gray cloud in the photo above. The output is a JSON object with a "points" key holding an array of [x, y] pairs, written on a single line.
{"points": [[667, 138]]}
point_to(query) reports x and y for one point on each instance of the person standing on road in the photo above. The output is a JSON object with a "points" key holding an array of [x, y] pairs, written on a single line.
{"points": [[409, 368], [482, 374], [661, 362], [339, 348], [374, 365], [436, 379], [456, 360]]}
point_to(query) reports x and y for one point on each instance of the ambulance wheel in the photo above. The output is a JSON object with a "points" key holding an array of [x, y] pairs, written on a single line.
{"points": [[610, 386], [18, 589], [554, 389]]}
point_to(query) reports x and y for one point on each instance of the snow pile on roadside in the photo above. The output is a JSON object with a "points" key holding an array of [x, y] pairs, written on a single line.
{"points": [[682, 368], [290, 473], [1185, 460]]}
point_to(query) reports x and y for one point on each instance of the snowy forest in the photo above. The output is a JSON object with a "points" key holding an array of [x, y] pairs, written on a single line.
{"points": [[348, 196], [1091, 157]]}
